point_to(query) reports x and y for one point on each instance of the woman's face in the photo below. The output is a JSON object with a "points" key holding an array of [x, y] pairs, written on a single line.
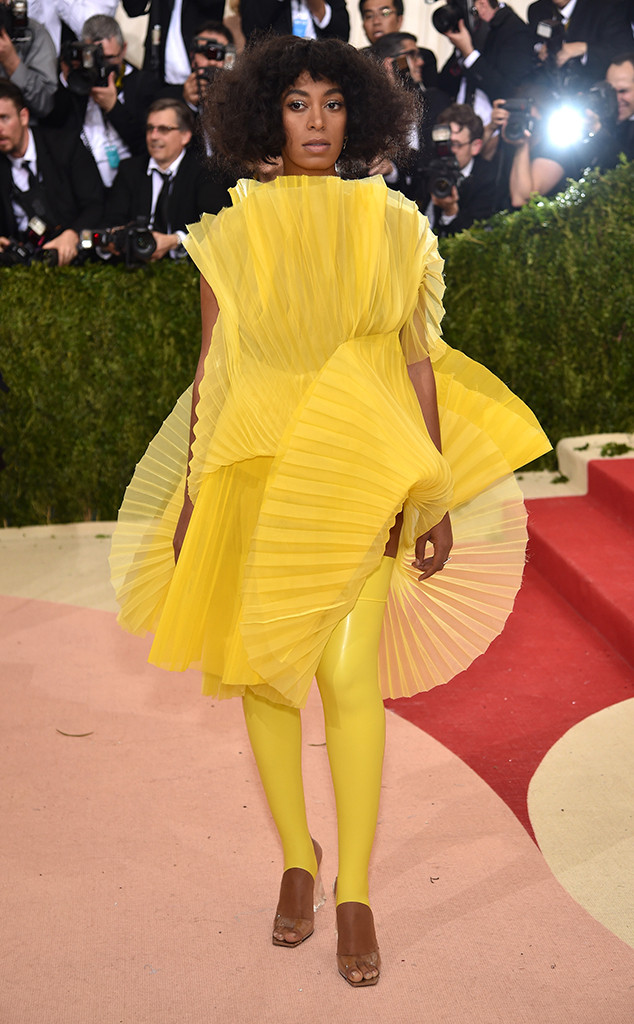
{"points": [[314, 118]]}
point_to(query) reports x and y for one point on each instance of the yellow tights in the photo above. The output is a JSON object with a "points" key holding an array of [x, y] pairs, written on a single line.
{"points": [[354, 717]]}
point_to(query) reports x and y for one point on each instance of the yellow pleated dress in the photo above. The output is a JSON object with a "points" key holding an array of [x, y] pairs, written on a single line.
{"points": [[309, 441]]}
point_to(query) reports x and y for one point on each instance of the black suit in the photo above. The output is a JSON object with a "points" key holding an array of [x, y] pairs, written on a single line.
{"points": [[138, 90], [260, 15], [476, 199], [193, 193], [625, 138], [69, 181], [413, 175], [506, 58], [194, 13], [602, 24]]}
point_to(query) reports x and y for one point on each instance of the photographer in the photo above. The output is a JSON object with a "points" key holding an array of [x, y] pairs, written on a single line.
{"points": [[380, 19], [490, 59], [565, 140], [585, 36], [401, 57], [461, 186], [49, 191], [385, 19], [63, 19], [168, 187], [620, 75], [102, 97], [212, 49], [311, 19], [171, 26], [27, 57]]}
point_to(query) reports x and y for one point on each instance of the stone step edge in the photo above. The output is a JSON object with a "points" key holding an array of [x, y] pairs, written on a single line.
{"points": [[573, 456]]}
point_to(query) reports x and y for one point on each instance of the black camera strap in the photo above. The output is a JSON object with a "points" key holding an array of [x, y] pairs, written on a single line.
{"points": [[33, 202]]}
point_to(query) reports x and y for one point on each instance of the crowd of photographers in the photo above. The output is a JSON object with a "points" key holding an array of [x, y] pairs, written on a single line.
{"points": [[100, 160]]}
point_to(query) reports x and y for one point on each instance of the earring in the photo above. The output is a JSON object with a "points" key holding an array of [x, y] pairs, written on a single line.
{"points": [[345, 143]]}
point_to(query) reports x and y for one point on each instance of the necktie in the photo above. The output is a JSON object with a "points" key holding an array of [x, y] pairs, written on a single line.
{"points": [[161, 216], [25, 165]]}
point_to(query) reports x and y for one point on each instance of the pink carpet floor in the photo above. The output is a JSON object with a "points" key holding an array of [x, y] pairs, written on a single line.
{"points": [[140, 867]]}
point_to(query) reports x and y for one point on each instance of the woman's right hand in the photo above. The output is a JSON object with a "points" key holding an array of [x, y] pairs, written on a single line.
{"points": [[441, 538]]}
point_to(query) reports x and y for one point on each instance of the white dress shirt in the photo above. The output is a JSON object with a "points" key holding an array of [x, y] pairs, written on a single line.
{"points": [[51, 13], [100, 137], [177, 62], [157, 180]]}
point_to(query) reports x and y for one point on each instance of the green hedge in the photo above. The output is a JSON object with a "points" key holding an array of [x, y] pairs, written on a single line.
{"points": [[545, 298], [95, 357]]}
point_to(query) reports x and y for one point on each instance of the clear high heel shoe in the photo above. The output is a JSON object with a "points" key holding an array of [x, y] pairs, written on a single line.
{"points": [[296, 885], [360, 922]]}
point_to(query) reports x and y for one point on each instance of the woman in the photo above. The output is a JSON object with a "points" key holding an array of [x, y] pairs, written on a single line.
{"points": [[314, 459]]}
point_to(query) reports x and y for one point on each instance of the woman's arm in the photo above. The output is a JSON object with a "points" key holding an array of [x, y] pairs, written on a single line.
{"points": [[209, 315], [440, 536]]}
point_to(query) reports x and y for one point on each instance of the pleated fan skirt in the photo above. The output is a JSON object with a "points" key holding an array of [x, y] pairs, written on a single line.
{"points": [[432, 630]]}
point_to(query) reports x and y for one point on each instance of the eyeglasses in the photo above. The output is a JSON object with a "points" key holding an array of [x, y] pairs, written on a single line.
{"points": [[458, 145], [162, 129], [383, 12]]}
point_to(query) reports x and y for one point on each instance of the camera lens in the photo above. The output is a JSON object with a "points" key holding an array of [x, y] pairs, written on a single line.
{"points": [[446, 19]]}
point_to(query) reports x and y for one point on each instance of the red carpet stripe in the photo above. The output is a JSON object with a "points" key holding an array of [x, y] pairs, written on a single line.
{"points": [[562, 655]]}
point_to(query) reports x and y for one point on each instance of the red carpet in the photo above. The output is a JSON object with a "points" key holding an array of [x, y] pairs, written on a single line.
{"points": [[567, 650]]}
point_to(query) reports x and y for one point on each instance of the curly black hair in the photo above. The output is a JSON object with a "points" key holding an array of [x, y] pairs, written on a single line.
{"points": [[242, 116]]}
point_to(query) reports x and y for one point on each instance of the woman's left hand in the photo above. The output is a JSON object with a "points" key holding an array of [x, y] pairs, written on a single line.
{"points": [[441, 538]]}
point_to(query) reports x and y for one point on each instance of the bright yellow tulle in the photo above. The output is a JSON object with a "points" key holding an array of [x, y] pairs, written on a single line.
{"points": [[309, 441]]}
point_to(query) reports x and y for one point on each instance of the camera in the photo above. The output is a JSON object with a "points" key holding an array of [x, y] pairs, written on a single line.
{"points": [[134, 241], [213, 50], [23, 254], [443, 172], [14, 20], [602, 100], [520, 119], [551, 32], [88, 66], [27, 250], [447, 18], [205, 76], [567, 122]]}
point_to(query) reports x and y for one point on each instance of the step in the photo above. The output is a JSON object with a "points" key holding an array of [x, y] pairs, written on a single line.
{"points": [[574, 455], [587, 555], [612, 484]]}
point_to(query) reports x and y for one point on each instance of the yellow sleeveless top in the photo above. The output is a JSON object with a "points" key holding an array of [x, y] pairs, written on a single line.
{"points": [[309, 440]]}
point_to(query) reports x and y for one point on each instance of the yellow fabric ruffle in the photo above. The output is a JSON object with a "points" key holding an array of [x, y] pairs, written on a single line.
{"points": [[309, 440]]}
